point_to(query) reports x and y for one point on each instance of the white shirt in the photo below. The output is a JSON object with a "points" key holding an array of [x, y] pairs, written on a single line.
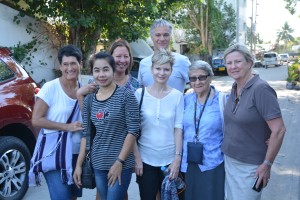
{"points": [[159, 117], [60, 107], [178, 78]]}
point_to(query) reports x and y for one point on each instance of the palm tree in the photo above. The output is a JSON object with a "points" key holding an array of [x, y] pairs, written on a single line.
{"points": [[285, 34]]}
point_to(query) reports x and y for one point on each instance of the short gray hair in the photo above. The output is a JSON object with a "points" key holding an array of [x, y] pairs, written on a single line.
{"points": [[242, 49], [200, 64], [162, 56], [160, 23]]}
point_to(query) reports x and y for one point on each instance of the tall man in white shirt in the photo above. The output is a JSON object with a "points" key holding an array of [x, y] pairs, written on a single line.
{"points": [[161, 32]]}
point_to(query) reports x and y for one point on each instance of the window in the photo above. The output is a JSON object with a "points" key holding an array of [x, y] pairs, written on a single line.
{"points": [[5, 72], [270, 55]]}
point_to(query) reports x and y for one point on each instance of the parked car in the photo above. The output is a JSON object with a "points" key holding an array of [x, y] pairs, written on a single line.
{"points": [[218, 64], [140, 49], [285, 57], [17, 136], [271, 58], [257, 63]]}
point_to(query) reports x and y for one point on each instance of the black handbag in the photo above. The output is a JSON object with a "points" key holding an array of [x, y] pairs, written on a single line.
{"points": [[87, 175]]}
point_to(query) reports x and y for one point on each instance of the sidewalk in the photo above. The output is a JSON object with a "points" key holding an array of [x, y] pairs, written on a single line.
{"points": [[284, 183]]}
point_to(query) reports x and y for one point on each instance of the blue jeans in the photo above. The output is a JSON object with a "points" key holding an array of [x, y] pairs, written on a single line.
{"points": [[58, 190], [116, 192]]}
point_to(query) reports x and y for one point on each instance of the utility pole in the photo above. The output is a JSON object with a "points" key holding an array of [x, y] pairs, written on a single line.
{"points": [[237, 21], [251, 31], [255, 35]]}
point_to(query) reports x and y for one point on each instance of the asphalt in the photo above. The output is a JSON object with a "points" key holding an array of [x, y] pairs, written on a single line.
{"points": [[284, 183]]}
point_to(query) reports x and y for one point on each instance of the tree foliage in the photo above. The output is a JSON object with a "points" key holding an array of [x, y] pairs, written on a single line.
{"points": [[285, 33], [290, 5], [209, 24], [81, 22]]}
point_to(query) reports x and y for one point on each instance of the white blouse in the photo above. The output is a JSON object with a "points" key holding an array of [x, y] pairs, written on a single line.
{"points": [[159, 118]]}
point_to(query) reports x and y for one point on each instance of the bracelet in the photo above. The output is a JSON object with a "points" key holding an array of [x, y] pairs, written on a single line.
{"points": [[121, 161], [178, 153], [268, 163]]}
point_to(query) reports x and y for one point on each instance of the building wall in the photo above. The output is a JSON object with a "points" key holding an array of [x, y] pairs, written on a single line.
{"points": [[11, 34]]}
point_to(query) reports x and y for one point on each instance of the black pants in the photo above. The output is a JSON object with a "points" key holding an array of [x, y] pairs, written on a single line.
{"points": [[150, 182]]}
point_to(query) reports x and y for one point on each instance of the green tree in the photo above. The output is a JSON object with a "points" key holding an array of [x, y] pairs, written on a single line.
{"points": [[285, 34], [82, 22], [290, 5], [209, 24]]}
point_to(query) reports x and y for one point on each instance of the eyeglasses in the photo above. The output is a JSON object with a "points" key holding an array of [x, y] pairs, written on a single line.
{"points": [[200, 78]]}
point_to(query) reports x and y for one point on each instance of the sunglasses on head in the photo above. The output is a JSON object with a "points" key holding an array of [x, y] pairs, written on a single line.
{"points": [[200, 78]]}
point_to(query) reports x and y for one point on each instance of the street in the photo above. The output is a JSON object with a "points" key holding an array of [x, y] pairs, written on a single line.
{"points": [[284, 182]]}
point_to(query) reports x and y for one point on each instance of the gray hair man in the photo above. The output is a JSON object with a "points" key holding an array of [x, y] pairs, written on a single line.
{"points": [[161, 33]]}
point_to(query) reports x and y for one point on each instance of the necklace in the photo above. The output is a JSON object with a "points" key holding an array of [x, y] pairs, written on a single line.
{"points": [[238, 95], [240, 91], [122, 81], [159, 92]]}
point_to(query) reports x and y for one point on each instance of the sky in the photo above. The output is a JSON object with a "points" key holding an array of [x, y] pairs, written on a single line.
{"points": [[271, 17]]}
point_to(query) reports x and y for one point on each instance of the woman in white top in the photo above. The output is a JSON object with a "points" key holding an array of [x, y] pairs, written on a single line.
{"points": [[160, 143]]}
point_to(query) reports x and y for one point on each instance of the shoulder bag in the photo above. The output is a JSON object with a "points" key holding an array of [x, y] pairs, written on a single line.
{"points": [[53, 152], [87, 175]]}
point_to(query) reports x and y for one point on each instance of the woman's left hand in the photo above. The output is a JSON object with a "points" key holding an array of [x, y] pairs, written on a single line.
{"points": [[174, 167], [263, 172], [114, 173]]}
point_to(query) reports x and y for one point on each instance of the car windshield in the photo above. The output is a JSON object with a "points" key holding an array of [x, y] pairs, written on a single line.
{"points": [[218, 61], [271, 55], [283, 56]]}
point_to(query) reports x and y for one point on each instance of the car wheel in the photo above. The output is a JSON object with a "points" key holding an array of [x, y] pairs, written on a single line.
{"points": [[14, 166]]}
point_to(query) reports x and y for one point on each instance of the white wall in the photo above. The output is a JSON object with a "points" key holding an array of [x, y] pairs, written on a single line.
{"points": [[11, 34]]}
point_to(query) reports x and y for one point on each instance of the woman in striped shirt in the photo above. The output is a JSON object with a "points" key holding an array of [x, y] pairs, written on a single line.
{"points": [[115, 114]]}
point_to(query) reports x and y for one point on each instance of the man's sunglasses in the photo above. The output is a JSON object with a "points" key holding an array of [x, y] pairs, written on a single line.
{"points": [[200, 78]]}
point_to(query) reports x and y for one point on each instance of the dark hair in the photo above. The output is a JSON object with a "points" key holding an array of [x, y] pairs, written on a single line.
{"points": [[69, 50], [122, 43], [102, 55]]}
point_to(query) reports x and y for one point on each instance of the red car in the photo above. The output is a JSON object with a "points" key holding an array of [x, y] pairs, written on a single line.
{"points": [[17, 136]]}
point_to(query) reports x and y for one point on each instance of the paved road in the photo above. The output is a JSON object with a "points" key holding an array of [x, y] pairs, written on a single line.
{"points": [[285, 177]]}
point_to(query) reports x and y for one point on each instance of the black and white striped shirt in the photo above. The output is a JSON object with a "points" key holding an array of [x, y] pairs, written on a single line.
{"points": [[113, 118]]}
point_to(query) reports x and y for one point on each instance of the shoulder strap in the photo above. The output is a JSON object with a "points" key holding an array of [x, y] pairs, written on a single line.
{"points": [[90, 133], [142, 97], [222, 103], [74, 108], [73, 111]]}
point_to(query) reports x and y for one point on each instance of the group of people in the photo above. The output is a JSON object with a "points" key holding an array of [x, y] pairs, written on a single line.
{"points": [[213, 140]]}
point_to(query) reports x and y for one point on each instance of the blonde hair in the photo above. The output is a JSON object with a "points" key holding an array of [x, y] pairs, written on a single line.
{"points": [[162, 56], [242, 49]]}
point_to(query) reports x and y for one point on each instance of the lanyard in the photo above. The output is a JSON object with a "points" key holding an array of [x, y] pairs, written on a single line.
{"points": [[196, 139]]}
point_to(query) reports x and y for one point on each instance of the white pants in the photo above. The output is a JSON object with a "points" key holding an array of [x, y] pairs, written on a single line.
{"points": [[239, 179]]}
